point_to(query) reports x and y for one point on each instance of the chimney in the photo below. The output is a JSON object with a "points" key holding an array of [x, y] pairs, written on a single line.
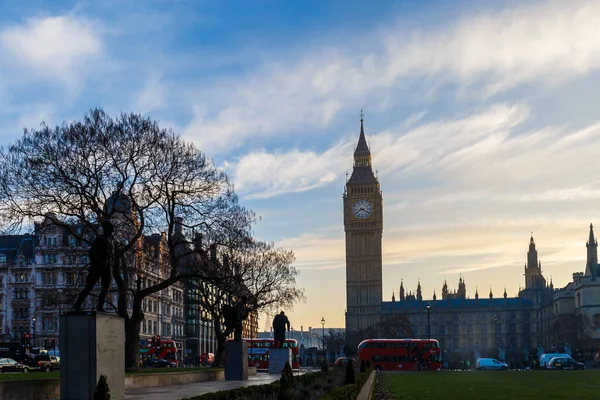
{"points": [[213, 252], [198, 240], [178, 225]]}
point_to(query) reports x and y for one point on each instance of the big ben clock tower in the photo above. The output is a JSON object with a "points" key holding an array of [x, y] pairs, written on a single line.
{"points": [[363, 223]]}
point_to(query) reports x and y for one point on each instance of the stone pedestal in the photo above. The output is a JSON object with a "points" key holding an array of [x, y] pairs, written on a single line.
{"points": [[236, 361], [278, 358], [91, 344]]}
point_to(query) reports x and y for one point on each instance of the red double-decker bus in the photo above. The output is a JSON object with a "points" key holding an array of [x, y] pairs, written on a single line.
{"points": [[401, 354], [258, 352], [157, 348]]}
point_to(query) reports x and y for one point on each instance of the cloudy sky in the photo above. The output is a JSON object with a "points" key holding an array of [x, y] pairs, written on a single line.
{"points": [[482, 118]]}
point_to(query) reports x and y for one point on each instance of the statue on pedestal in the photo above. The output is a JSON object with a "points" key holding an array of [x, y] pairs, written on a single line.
{"points": [[235, 315], [279, 324], [101, 260]]}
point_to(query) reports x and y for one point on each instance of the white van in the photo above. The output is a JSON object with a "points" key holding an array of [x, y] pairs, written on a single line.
{"points": [[546, 357], [490, 363]]}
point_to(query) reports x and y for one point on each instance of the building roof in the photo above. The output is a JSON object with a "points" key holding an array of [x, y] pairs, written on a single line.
{"points": [[11, 246], [455, 304]]}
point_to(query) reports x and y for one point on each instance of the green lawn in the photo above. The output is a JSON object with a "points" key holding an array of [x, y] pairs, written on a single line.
{"points": [[494, 385], [29, 376]]}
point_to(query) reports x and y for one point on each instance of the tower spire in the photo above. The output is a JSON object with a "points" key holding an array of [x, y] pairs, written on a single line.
{"points": [[362, 148], [591, 268]]}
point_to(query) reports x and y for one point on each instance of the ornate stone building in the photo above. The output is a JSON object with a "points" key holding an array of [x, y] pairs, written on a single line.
{"points": [[539, 317]]}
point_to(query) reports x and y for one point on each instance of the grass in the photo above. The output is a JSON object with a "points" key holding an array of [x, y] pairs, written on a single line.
{"points": [[494, 385], [8, 376]]}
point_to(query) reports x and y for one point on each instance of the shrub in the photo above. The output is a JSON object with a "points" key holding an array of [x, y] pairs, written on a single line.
{"points": [[285, 383], [324, 366], [102, 392], [350, 377]]}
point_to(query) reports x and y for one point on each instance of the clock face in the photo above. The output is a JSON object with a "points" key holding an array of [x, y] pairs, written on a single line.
{"points": [[362, 209]]}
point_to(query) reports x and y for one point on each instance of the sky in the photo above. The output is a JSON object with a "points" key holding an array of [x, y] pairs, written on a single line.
{"points": [[481, 117]]}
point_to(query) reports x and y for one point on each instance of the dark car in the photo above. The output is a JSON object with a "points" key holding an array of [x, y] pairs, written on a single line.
{"points": [[564, 363], [43, 362], [10, 365], [162, 363]]}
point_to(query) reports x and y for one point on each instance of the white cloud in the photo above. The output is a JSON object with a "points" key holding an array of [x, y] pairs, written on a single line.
{"points": [[428, 147], [261, 174], [56, 47], [545, 43]]}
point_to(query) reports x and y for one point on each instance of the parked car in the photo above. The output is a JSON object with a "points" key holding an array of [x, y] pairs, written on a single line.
{"points": [[342, 361], [483, 364], [162, 363], [564, 363], [43, 362], [546, 357], [10, 365]]}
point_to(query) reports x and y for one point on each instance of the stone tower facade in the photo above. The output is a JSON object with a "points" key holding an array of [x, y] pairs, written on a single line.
{"points": [[533, 269], [363, 224]]}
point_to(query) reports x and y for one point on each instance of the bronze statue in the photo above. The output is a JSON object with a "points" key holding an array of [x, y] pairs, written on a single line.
{"points": [[235, 315], [101, 260], [279, 324]]}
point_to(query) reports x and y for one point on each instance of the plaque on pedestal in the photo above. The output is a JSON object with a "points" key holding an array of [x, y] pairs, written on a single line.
{"points": [[91, 344], [277, 359], [236, 361]]}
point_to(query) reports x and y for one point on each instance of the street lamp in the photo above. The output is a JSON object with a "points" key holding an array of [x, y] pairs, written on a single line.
{"points": [[428, 307], [495, 319], [323, 334], [33, 319]]}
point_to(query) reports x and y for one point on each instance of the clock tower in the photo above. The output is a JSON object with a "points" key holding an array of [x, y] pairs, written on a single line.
{"points": [[363, 224]]}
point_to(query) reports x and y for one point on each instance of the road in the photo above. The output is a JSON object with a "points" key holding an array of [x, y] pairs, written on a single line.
{"points": [[176, 392]]}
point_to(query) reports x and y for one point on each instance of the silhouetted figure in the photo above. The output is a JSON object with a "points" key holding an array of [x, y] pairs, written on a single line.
{"points": [[235, 315], [101, 259], [279, 324]]}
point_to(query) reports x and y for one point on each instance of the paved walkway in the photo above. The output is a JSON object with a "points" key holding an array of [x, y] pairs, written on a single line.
{"points": [[176, 392]]}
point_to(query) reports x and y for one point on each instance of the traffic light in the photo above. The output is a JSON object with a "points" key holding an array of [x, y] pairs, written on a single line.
{"points": [[158, 341], [27, 339], [50, 344]]}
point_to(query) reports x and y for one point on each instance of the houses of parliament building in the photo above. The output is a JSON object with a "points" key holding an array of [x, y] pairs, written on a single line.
{"points": [[540, 317]]}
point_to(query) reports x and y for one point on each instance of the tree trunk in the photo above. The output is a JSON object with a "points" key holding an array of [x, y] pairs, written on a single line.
{"points": [[221, 339], [132, 343], [132, 335]]}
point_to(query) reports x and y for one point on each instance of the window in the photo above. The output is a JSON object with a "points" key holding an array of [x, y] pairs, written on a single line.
{"points": [[596, 321], [71, 278], [578, 299], [155, 326], [2, 258]]}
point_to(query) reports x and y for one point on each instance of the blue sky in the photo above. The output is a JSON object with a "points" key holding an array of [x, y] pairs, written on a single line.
{"points": [[481, 116]]}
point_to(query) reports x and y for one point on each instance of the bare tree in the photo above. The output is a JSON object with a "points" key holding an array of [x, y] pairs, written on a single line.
{"points": [[132, 172], [391, 326], [261, 272]]}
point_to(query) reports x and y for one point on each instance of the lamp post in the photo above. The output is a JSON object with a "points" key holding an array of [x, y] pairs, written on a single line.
{"points": [[428, 307], [323, 335], [495, 319], [33, 320]]}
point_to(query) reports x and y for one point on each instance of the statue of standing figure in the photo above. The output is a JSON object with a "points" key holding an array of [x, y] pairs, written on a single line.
{"points": [[279, 324], [235, 315], [101, 260]]}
